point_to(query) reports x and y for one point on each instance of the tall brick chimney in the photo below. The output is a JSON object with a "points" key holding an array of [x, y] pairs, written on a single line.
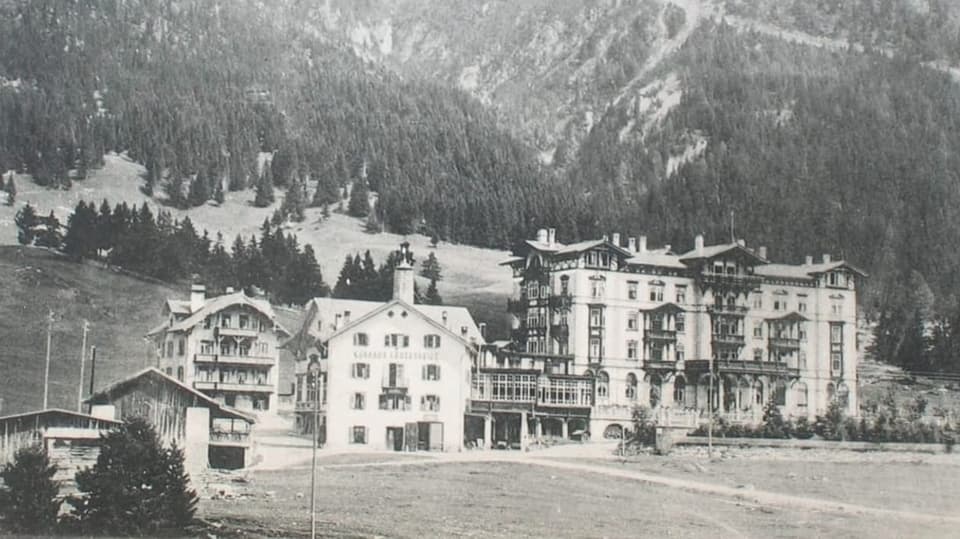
{"points": [[403, 276]]}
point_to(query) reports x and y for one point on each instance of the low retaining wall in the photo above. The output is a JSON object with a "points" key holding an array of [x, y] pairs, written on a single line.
{"points": [[815, 444]]}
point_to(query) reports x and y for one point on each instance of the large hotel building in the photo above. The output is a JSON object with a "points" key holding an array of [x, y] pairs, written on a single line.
{"points": [[603, 326]]}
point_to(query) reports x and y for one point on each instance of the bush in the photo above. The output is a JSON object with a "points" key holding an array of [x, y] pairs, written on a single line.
{"points": [[29, 501], [137, 487], [802, 429], [644, 427]]}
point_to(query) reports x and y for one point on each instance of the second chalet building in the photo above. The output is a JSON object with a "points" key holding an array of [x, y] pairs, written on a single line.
{"points": [[600, 327], [225, 347], [392, 375]]}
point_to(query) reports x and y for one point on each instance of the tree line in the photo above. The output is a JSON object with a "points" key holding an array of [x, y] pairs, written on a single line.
{"points": [[361, 278], [172, 250]]}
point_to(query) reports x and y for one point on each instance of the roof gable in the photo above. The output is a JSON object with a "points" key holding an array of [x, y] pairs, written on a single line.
{"points": [[714, 251], [412, 309]]}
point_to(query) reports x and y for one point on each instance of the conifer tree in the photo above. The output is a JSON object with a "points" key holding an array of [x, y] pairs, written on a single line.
{"points": [[430, 268], [264, 196], [432, 296], [294, 202], [26, 222], [359, 199], [11, 189], [80, 240], [199, 192], [28, 501], [136, 487], [49, 234]]}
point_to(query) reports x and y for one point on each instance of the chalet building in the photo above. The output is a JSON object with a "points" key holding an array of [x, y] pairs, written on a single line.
{"points": [[210, 433], [600, 327], [392, 375], [224, 346], [71, 439]]}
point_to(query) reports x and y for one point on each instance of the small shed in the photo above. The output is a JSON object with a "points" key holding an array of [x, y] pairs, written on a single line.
{"points": [[211, 434]]}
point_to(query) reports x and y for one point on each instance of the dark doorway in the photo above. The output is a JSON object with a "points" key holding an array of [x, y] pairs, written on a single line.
{"points": [[395, 438], [226, 458], [430, 436]]}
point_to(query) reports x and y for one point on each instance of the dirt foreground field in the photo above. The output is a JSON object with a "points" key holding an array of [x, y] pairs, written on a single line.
{"points": [[509, 494]]}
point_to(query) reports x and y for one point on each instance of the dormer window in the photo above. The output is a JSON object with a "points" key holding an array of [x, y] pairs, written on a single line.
{"points": [[718, 267]]}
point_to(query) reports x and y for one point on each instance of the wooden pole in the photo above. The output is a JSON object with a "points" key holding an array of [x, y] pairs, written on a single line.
{"points": [[46, 370], [83, 352], [93, 369]]}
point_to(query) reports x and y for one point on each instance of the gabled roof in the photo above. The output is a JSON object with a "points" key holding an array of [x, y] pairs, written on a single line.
{"points": [[153, 372], [579, 247], [791, 271], [712, 251], [424, 315], [178, 306], [214, 305], [789, 317], [57, 411], [666, 308], [658, 258]]}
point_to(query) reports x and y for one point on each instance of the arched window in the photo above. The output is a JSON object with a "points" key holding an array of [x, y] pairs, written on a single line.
{"points": [[843, 395], [779, 393], [180, 373], [655, 390], [631, 391], [603, 385], [758, 393], [680, 390], [831, 392], [800, 394]]}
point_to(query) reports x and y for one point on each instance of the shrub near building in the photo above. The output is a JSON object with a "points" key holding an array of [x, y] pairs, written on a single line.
{"points": [[28, 501]]}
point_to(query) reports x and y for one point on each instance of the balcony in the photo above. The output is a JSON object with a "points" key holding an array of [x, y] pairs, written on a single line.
{"points": [[399, 383], [528, 390], [229, 439], [727, 339], [309, 406], [726, 366], [561, 302], [659, 365], [233, 386], [726, 279], [238, 332], [234, 360], [735, 310], [660, 335], [560, 331], [784, 343]]}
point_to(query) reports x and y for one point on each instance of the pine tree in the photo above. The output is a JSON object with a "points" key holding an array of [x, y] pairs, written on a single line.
{"points": [[80, 240], [106, 235], [294, 203], [264, 196], [359, 199], [49, 234], [325, 212], [26, 222], [136, 487], [11, 188], [430, 268], [432, 296], [199, 192], [29, 501]]}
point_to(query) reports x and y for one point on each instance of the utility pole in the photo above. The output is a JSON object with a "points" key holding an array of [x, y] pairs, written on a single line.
{"points": [[93, 369], [46, 370], [314, 368], [83, 352]]}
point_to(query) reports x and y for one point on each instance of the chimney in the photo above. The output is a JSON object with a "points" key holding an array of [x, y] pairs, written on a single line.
{"points": [[742, 242], [403, 276], [551, 236], [808, 261], [616, 239], [698, 244], [762, 252], [483, 329], [444, 318], [666, 248], [606, 237], [826, 258], [643, 244], [542, 235], [346, 318], [229, 290], [198, 295], [336, 322], [632, 244]]}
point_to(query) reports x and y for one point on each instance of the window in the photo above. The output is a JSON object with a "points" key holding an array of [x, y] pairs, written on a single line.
{"points": [[360, 370], [224, 320], [631, 349], [181, 347], [680, 323], [357, 401], [780, 393], [430, 403], [779, 305], [681, 294], [800, 394], [596, 287], [680, 390], [718, 267], [544, 291], [655, 391], [758, 354], [180, 373], [631, 389], [633, 321], [243, 321], [802, 360], [836, 307], [596, 317], [603, 385], [170, 371], [431, 372], [207, 322], [632, 289], [758, 330], [801, 333], [565, 284], [679, 351], [656, 292], [358, 435], [836, 349], [394, 402], [396, 340], [802, 306], [361, 339], [533, 290], [594, 347], [431, 341]]}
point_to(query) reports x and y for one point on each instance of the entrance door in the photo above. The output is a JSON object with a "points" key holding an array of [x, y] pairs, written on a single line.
{"points": [[430, 437], [395, 438], [411, 436]]}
